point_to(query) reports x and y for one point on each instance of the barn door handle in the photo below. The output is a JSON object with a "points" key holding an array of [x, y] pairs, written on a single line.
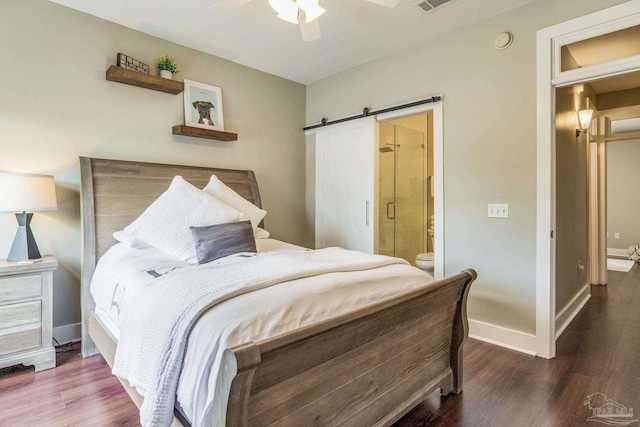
{"points": [[367, 213]]}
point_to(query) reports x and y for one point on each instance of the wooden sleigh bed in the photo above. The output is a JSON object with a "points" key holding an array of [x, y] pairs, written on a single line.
{"points": [[366, 367]]}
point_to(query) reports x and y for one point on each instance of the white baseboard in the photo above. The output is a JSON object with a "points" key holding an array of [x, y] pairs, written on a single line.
{"points": [[503, 337], [67, 333], [571, 310], [617, 252]]}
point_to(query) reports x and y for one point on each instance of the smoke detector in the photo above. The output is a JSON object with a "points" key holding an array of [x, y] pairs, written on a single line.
{"points": [[429, 5], [503, 41]]}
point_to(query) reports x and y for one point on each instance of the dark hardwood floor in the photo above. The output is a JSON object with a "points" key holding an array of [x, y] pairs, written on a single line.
{"points": [[599, 352]]}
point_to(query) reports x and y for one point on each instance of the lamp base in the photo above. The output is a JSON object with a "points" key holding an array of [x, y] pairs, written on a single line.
{"points": [[24, 245]]}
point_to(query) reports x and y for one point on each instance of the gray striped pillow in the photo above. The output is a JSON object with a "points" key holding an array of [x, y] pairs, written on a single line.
{"points": [[217, 241]]}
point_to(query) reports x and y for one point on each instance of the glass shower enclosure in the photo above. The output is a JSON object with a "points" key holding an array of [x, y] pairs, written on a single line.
{"points": [[404, 192]]}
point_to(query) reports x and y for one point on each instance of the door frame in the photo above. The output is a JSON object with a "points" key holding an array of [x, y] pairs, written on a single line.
{"points": [[550, 76], [604, 138], [438, 176]]}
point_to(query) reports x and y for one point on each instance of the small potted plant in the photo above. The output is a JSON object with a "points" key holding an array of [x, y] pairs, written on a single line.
{"points": [[167, 67]]}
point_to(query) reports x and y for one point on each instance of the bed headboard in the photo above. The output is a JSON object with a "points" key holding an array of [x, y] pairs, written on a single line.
{"points": [[115, 192]]}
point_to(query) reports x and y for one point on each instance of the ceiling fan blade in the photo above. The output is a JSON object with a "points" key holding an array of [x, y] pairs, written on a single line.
{"points": [[387, 3], [227, 5], [310, 30]]}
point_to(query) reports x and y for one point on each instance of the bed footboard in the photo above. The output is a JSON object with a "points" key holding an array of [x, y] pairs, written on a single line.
{"points": [[368, 367]]}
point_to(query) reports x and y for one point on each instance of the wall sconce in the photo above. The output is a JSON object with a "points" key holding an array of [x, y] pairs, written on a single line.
{"points": [[584, 117]]}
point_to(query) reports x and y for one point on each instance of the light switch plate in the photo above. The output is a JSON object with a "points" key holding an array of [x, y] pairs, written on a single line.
{"points": [[498, 210]]}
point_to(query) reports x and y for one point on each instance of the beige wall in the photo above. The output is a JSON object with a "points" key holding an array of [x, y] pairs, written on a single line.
{"points": [[572, 202], [56, 105], [489, 143], [623, 195]]}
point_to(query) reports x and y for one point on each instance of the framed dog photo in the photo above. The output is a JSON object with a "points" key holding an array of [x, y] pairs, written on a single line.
{"points": [[203, 106]]}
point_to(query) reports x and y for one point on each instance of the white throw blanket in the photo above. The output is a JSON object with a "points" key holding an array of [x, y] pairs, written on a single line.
{"points": [[154, 335]]}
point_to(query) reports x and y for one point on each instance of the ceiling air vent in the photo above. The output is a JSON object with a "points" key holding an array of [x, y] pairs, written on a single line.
{"points": [[428, 5]]}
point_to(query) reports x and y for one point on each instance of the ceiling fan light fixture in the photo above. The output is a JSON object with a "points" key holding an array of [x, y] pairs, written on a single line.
{"points": [[289, 17], [287, 10], [283, 6], [306, 4], [278, 5], [313, 13]]}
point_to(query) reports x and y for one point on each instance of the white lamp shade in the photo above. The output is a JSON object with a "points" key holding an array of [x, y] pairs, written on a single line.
{"points": [[585, 118], [27, 192]]}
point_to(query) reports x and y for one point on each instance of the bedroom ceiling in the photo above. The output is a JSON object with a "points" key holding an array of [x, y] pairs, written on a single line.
{"points": [[353, 31]]}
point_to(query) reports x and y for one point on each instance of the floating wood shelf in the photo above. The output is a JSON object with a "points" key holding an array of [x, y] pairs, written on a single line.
{"points": [[204, 133], [148, 81]]}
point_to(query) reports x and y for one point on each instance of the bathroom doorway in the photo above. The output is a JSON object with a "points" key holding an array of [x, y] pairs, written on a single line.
{"points": [[406, 191]]}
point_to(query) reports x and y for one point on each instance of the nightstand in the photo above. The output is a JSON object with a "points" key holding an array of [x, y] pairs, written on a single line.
{"points": [[26, 314]]}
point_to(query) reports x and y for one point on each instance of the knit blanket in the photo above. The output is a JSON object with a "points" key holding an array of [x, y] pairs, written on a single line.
{"points": [[154, 334]]}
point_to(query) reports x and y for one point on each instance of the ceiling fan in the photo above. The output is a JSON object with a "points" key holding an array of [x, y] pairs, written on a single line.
{"points": [[300, 12]]}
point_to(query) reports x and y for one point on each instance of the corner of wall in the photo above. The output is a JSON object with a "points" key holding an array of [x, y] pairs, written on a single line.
{"points": [[571, 310], [503, 337]]}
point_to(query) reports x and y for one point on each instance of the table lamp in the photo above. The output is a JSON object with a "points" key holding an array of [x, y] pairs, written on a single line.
{"points": [[22, 192]]}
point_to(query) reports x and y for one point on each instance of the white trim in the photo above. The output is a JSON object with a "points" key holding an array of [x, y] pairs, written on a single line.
{"points": [[617, 252], [545, 247], [497, 335], [594, 235], [438, 184], [610, 68], [571, 310], [438, 175], [67, 333]]}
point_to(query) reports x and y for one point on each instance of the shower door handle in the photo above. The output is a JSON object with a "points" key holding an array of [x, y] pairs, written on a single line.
{"points": [[394, 210]]}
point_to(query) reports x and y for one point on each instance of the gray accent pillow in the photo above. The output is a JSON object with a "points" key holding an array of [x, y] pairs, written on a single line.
{"points": [[217, 241]]}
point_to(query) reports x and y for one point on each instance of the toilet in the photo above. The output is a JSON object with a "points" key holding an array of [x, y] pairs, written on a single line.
{"points": [[424, 261]]}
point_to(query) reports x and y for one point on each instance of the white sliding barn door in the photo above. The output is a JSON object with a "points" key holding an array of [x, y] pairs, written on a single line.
{"points": [[346, 157]]}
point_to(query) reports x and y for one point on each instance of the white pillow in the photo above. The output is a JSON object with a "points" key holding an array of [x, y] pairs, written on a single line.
{"points": [[260, 233], [131, 240], [218, 189], [165, 224]]}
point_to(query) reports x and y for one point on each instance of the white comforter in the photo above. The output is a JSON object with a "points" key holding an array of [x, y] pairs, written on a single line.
{"points": [[122, 272], [252, 316]]}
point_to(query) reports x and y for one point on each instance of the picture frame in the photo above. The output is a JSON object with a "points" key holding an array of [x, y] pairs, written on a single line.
{"points": [[203, 106]]}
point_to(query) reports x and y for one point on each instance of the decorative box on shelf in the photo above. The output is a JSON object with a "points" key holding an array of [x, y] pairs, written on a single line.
{"points": [[26, 318]]}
